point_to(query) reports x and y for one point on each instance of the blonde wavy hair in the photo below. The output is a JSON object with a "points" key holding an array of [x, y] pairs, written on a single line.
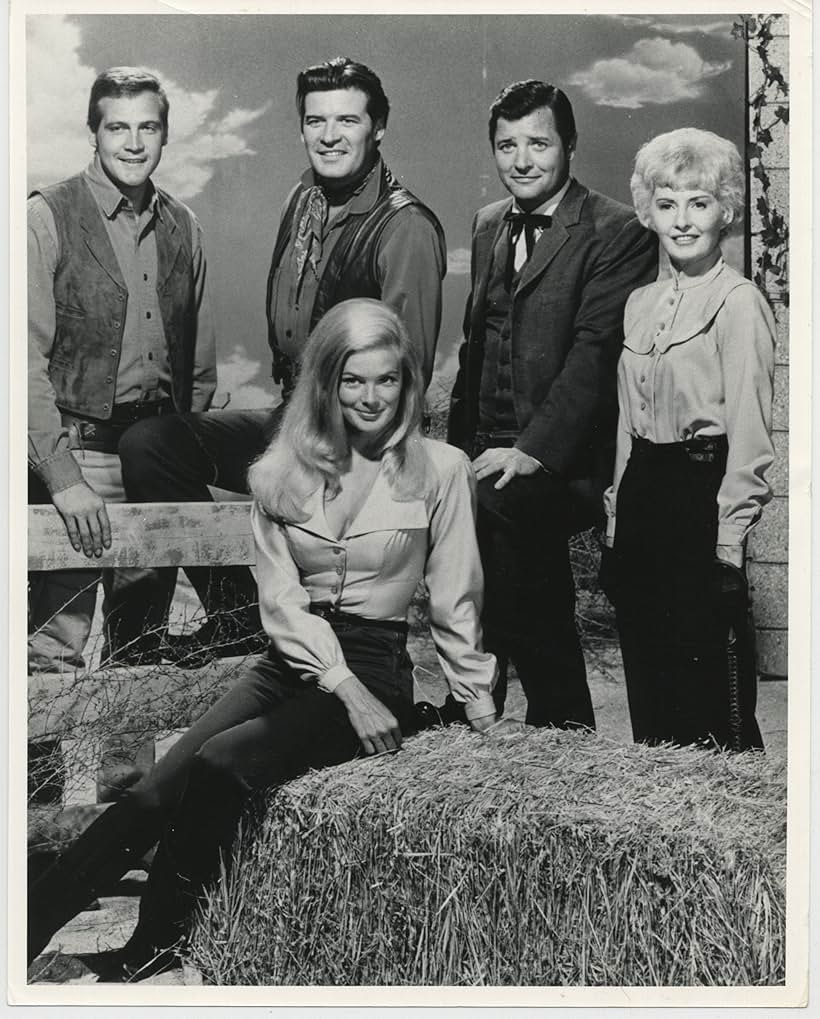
{"points": [[312, 446], [690, 158]]}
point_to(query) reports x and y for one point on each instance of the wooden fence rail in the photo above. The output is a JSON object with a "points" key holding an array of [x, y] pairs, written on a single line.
{"points": [[155, 534], [149, 534]]}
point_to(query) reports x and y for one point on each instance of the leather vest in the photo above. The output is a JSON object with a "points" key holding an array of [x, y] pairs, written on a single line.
{"points": [[91, 296], [351, 269]]}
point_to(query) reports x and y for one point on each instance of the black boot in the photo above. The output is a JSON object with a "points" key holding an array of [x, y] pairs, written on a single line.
{"points": [[112, 845], [201, 832]]}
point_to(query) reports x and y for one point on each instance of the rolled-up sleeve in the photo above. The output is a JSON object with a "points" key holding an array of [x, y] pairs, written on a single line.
{"points": [[746, 348], [306, 642], [455, 584]]}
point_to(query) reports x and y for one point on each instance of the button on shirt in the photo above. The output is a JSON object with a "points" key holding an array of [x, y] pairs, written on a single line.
{"points": [[373, 571], [698, 360], [143, 374]]}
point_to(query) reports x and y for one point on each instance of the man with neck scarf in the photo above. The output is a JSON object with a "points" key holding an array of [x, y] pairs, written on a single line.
{"points": [[347, 229]]}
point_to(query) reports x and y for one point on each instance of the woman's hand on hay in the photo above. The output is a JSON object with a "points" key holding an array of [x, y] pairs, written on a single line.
{"points": [[502, 727], [374, 724], [482, 724], [488, 726]]}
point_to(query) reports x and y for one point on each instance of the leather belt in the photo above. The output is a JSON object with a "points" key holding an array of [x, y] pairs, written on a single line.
{"points": [[704, 449], [493, 440], [332, 615], [104, 436]]}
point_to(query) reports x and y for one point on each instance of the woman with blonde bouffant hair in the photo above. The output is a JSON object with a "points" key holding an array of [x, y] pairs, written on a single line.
{"points": [[693, 446], [353, 509]]}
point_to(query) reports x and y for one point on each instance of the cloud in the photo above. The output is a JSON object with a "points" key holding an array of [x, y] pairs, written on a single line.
{"points": [[59, 83], [720, 27], [458, 262], [236, 375], [653, 71]]}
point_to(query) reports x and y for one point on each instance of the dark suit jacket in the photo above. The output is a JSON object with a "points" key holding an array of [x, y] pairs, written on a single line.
{"points": [[567, 332]]}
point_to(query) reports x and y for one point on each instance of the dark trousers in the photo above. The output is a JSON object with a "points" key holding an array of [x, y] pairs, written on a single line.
{"points": [[672, 629], [269, 728], [175, 459], [529, 596]]}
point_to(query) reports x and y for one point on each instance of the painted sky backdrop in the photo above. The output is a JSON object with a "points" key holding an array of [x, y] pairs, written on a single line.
{"points": [[234, 150]]}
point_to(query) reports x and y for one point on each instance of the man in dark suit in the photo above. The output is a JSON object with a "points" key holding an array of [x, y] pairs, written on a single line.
{"points": [[534, 402]]}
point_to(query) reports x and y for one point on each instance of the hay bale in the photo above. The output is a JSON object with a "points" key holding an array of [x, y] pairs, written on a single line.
{"points": [[540, 858]]}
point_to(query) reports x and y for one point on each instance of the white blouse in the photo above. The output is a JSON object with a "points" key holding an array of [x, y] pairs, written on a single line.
{"points": [[698, 360], [373, 570]]}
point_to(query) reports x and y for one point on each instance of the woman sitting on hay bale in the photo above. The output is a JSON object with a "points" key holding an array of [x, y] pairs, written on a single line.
{"points": [[354, 507], [694, 442]]}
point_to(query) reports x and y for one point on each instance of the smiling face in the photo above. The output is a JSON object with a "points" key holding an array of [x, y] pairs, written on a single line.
{"points": [[129, 139], [689, 225], [530, 157], [340, 138], [370, 391]]}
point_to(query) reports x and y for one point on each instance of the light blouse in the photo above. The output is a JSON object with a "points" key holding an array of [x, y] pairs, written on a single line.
{"points": [[698, 360], [373, 571]]}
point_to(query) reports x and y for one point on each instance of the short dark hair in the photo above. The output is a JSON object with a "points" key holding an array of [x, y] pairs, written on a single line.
{"points": [[117, 82], [342, 72], [525, 97]]}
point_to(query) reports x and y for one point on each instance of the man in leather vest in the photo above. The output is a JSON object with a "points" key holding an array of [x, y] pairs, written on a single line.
{"points": [[534, 402], [120, 331], [347, 229]]}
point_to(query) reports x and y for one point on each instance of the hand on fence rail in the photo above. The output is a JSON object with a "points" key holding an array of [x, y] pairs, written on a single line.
{"points": [[85, 518]]}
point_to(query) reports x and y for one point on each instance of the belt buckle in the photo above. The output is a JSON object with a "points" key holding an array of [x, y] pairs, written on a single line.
{"points": [[704, 452]]}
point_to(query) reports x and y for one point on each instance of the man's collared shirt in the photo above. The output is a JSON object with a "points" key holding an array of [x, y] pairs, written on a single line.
{"points": [[410, 266], [143, 374]]}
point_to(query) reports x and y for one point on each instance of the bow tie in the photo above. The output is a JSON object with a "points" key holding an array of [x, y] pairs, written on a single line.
{"points": [[528, 217], [528, 222]]}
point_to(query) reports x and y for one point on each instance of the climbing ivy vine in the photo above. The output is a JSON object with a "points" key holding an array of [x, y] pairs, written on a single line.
{"points": [[769, 107]]}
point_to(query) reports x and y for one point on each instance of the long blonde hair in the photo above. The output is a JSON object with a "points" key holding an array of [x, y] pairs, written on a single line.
{"points": [[312, 445]]}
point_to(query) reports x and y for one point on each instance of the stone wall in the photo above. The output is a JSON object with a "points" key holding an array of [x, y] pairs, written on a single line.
{"points": [[768, 151]]}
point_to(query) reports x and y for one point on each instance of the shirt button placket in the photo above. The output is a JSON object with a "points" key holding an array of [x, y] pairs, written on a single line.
{"points": [[338, 569]]}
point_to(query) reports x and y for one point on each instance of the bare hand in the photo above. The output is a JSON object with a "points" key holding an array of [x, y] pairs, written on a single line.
{"points": [[374, 724], [483, 723], [504, 726], [85, 518], [507, 462]]}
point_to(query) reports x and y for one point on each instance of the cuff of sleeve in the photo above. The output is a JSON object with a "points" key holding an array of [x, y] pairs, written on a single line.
{"points": [[731, 534], [58, 471], [734, 554], [481, 706], [609, 534], [547, 458], [547, 470], [335, 675]]}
